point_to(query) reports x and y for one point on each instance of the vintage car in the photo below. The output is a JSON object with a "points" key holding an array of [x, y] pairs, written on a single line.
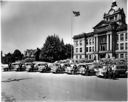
{"points": [[30, 67], [81, 69], [121, 70], [4, 67], [69, 69], [101, 72], [56, 68], [18, 66], [43, 67]]}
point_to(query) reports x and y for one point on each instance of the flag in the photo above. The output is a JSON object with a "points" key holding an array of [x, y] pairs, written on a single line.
{"points": [[76, 13]]}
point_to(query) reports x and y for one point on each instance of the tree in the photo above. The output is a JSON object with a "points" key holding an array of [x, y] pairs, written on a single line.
{"points": [[68, 50], [52, 49], [17, 55], [8, 58], [37, 54]]}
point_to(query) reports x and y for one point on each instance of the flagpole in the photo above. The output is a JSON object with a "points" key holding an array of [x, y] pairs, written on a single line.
{"points": [[71, 33]]}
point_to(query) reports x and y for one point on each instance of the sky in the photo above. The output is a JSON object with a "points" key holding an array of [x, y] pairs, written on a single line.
{"points": [[26, 24]]}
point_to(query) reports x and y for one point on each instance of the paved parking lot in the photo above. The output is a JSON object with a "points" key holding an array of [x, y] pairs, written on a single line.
{"points": [[35, 86]]}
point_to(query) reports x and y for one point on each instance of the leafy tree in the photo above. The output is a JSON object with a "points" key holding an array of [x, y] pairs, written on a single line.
{"points": [[68, 50], [37, 54], [17, 55], [8, 58], [54, 49]]}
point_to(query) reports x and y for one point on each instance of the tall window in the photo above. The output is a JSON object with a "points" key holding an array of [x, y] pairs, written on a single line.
{"points": [[76, 49], [126, 36], [122, 55], [90, 41], [80, 42], [93, 48], [80, 49], [86, 49], [126, 55], [121, 37], [121, 46], [76, 56], [76, 43], [126, 46], [80, 56], [117, 47], [93, 41], [89, 49]]}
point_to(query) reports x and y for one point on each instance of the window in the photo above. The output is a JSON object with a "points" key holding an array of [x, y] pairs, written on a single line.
{"points": [[117, 47], [80, 56], [90, 41], [80, 42], [121, 37], [76, 56], [126, 46], [80, 49], [76, 43], [89, 49], [122, 46], [93, 48], [89, 56], [76, 49], [117, 37], [122, 55], [117, 55], [93, 41], [126, 55], [126, 36], [86, 49]]}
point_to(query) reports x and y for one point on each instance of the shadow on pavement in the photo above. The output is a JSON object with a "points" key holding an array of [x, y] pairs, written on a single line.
{"points": [[10, 80]]}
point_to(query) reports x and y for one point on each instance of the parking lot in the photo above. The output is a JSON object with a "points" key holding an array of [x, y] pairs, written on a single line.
{"points": [[35, 86]]}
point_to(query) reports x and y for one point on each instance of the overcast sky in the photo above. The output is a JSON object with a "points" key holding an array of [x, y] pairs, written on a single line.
{"points": [[26, 24]]}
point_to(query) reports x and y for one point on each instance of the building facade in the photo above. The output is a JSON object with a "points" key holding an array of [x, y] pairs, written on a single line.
{"points": [[108, 39]]}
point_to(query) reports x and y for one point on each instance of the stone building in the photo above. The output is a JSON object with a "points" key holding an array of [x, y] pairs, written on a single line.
{"points": [[108, 39]]}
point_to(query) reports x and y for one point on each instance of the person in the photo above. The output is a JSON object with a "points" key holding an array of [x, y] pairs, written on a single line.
{"points": [[114, 71], [75, 68], [110, 72], [87, 70], [9, 66]]}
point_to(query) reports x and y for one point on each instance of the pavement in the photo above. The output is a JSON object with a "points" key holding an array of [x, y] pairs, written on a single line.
{"points": [[35, 87]]}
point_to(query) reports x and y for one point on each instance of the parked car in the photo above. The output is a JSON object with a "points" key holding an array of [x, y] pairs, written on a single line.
{"points": [[30, 67], [121, 70], [92, 68], [4, 67], [56, 68], [18, 66], [69, 69], [102, 72], [43, 67], [81, 69]]}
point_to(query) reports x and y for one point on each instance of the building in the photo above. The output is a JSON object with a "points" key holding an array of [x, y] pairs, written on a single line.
{"points": [[108, 39], [30, 53]]}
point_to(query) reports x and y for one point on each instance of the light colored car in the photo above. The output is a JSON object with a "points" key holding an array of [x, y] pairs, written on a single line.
{"points": [[29, 66], [43, 67], [101, 72], [69, 69], [4, 67], [17, 66], [56, 68], [81, 68]]}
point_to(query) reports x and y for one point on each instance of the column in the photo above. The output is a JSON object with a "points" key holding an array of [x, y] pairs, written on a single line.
{"points": [[107, 42], [110, 41], [96, 43]]}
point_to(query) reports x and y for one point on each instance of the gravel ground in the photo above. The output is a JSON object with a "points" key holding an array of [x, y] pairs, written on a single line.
{"points": [[34, 86]]}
